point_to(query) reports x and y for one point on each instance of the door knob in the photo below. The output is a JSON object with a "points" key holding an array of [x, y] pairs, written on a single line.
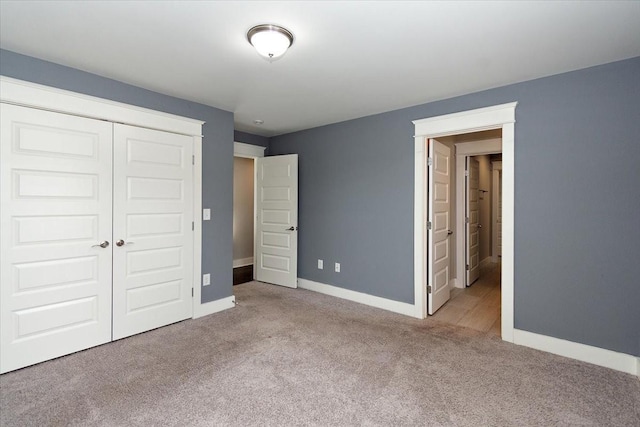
{"points": [[102, 245], [122, 243], [449, 233], [479, 225], [291, 228]]}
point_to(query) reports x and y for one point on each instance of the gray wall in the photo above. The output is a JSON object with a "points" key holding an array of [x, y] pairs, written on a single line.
{"points": [[249, 138], [217, 151], [577, 202]]}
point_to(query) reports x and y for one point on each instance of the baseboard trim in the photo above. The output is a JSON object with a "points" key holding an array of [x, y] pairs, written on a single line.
{"points": [[212, 307], [583, 352], [359, 297], [242, 262]]}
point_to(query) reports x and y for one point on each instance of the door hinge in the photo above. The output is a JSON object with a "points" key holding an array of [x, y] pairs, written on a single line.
{"points": [[466, 220], [428, 225], [193, 225], [429, 289], [467, 267], [429, 161], [193, 159], [466, 173]]}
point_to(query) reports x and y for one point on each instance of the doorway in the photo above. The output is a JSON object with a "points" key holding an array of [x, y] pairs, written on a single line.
{"points": [[244, 158], [489, 118], [475, 291]]}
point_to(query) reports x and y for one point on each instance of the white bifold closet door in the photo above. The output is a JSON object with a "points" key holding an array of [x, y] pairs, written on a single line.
{"points": [[55, 282], [97, 239]]}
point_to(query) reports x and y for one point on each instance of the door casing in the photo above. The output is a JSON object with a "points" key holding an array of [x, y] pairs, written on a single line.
{"points": [[494, 117]]}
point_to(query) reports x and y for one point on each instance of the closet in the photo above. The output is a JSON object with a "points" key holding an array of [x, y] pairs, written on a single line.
{"points": [[97, 230]]}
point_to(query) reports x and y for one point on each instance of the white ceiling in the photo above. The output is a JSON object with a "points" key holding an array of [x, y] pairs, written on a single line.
{"points": [[349, 59]]}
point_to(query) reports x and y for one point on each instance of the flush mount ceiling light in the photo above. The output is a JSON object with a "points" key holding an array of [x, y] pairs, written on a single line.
{"points": [[271, 41]]}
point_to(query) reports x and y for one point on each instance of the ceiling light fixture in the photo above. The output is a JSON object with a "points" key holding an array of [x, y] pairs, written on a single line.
{"points": [[271, 41], [258, 122]]}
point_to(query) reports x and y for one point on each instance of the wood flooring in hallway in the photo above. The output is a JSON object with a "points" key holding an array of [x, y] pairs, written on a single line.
{"points": [[478, 306]]}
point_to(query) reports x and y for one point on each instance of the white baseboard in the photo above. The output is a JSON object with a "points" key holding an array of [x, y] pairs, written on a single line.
{"points": [[359, 297], [242, 262], [586, 353], [207, 308]]}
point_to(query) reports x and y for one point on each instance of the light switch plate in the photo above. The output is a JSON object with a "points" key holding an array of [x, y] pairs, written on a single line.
{"points": [[337, 267], [206, 279], [320, 264], [206, 214]]}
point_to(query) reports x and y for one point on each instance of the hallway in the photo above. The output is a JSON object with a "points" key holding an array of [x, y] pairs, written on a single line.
{"points": [[478, 306]]}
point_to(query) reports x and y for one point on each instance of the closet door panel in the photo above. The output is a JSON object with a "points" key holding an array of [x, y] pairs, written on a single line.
{"points": [[55, 283], [153, 211]]}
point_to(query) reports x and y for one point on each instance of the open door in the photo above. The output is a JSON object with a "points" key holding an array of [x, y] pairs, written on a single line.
{"points": [[472, 220], [276, 237], [439, 232]]}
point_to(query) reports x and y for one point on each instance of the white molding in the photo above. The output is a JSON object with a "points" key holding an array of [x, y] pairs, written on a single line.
{"points": [[583, 352], [496, 117], [478, 148], [473, 121], [214, 306], [33, 95], [359, 297], [197, 224], [240, 149], [241, 262]]}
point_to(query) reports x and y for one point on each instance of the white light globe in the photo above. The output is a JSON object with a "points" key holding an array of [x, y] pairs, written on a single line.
{"points": [[270, 43]]}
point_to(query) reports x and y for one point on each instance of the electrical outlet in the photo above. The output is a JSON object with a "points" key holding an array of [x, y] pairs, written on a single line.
{"points": [[206, 214], [337, 267], [320, 264], [206, 279]]}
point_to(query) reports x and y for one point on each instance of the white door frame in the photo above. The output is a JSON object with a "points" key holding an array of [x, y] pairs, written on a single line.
{"points": [[248, 151], [495, 188], [464, 150], [28, 94], [495, 117]]}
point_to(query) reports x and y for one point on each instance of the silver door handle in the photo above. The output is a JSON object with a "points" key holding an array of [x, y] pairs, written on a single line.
{"points": [[479, 225], [122, 243], [291, 228], [102, 245]]}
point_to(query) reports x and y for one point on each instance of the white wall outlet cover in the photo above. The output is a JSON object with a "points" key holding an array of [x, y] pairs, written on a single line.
{"points": [[337, 267], [320, 264], [206, 214], [206, 279]]}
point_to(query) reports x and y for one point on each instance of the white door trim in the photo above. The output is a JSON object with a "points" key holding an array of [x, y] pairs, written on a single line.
{"points": [[19, 92], [495, 191], [495, 117], [254, 152]]}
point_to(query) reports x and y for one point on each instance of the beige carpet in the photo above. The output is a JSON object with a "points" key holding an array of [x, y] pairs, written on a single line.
{"points": [[294, 357]]}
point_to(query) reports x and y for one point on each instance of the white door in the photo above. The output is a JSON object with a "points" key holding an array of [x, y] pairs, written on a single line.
{"points": [[439, 233], [152, 229], [276, 259], [499, 213], [55, 281], [473, 217]]}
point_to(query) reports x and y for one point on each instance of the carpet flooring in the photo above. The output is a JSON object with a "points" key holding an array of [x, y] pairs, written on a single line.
{"points": [[293, 357]]}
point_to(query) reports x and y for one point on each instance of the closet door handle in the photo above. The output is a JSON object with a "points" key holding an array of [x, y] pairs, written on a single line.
{"points": [[122, 243], [102, 245], [290, 228]]}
